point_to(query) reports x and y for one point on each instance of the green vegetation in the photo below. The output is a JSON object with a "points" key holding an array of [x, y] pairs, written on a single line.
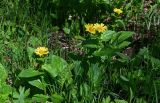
{"points": [[79, 51]]}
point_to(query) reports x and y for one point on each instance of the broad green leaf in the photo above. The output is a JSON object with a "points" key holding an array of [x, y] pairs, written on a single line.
{"points": [[107, 35], [37, 83], [56, 98], [3, 74], [105, 52], [28, 73], [123, 44], [90, 43], [124, 35], [40, 98], [114, 38], [56, 66], [50, 69]]}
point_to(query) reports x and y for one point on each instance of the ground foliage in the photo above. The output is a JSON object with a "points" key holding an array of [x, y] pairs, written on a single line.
{"points": [[79, 51]]}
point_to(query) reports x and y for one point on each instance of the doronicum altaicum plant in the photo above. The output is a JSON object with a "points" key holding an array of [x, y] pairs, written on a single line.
{"points": [[47, 76], [105, 43]]}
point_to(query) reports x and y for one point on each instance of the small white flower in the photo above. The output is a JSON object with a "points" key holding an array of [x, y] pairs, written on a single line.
{"points": [[70, 17]]}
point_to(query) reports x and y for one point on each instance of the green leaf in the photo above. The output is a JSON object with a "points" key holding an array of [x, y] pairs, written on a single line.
{"points": [[73, 92], [123, 44], [91, 46], [106, 100], [4, 98], [140, 100], [107, 51], [123, 57], [128, 5], [155, 62], [131, 95], [85, 90], [56, 66], [79, 37], [50, 69], [114, 38], [40, 98], [21, 96], [78, 70], [95, 76], [120, 23], [124, 35], [54, 16], [56, 98], [28, 73], [5, 90], [66, 30], [143, 52], [30, 52], [37, 83], [120, 101], [66, 76], [90, 43], [3, 74], [124, 78], [107, 35]]}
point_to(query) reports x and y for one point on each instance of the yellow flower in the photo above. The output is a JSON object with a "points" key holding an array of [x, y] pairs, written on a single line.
{"points": [[90, 28], [100, 27], [118, 11], [40, 51]]}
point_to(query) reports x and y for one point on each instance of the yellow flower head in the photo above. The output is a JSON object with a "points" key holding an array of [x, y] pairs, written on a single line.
{"points": [[118, 11], [90, 28], [100, 27], [40, 51]]}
